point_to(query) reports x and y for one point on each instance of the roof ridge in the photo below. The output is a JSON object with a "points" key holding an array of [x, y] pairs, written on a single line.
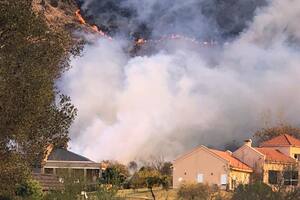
{"points": [[287, 138], [230, 158], [63, 154]]}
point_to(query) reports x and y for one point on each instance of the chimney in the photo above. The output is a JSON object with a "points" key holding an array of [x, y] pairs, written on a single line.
{"points": [[229, 152], [248, 142]]}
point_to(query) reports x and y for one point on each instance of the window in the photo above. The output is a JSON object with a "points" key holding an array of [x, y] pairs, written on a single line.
{"points": [[290, 178], [49, 171], [200, 178], [297, 157], [273, 177], [224, 179]]}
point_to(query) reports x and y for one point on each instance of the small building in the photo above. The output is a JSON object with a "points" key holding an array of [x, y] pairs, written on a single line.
{"points": [[214, 167], [60, 164], [275, 161]]}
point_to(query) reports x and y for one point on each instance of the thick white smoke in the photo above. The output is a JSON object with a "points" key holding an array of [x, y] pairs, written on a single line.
{"points": [[168, 102]]}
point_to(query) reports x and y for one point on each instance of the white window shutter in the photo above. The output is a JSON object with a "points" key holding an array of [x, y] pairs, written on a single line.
{"points": [[223, 179], [200, 178]]}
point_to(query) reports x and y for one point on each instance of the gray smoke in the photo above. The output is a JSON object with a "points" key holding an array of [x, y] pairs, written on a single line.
{"points": [[185, 94], [194, 18]]}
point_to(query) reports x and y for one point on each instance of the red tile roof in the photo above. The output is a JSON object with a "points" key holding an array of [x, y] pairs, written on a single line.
{"points": [[233, 162], [282, 140], [275, 155]]}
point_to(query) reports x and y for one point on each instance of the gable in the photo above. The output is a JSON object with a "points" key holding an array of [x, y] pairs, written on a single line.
{"points": [[200, 154], [250, 156]]}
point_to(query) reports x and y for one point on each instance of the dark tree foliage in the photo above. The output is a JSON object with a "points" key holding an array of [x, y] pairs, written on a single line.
{"points": [[166, 169], [32, 113], [115, 174], [258, 191], [268, 133]]}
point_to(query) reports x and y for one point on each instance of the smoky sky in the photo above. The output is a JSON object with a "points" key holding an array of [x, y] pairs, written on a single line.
{"points": [[217, 19], [183, 94]]}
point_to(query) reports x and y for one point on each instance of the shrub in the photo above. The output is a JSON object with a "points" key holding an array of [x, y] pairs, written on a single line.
{"points": [[257, 191], [115, 174], [194, 192], [293, 194], [30, 189], [71, 189]]}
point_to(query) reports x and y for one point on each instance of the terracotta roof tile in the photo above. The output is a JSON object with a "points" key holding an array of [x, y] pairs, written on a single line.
{"points": [[233, 162], [275, 155], [282, 140]]}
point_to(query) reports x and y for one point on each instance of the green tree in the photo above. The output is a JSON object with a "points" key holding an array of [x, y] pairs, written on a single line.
{"points": [[32, 113], [150, 178], [166, 169], [115, 174], [30, 189]]}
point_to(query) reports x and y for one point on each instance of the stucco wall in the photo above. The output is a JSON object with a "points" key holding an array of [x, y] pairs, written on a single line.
{"points": [[200, 161], [239, 177], [272, 166], [251, 157], [294, 150]]}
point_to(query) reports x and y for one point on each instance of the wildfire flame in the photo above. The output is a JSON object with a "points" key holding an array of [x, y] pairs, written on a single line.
{"points": [[79, 17], [93, 27], [142, 41], [96, 29]]}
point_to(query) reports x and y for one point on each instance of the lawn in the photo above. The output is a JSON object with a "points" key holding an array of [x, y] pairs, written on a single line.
{"points": [[141, 194]]}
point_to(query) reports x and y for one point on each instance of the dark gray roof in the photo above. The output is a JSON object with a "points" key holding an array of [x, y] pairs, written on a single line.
{"points": [[65, 155]]}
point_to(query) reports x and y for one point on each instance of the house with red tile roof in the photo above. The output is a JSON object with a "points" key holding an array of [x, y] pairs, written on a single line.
{"points": [[275, 160], [211, 166], [286, 144]]}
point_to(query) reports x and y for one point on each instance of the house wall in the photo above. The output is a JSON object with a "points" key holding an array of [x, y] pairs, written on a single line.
{"points": [[271, 166], [294, 150], [187, 168], [90, 171], [289, 151], [251, 157], [238, 177]]}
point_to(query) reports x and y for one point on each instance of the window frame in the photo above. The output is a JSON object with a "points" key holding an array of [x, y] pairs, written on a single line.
{"points": [[270, 179]]}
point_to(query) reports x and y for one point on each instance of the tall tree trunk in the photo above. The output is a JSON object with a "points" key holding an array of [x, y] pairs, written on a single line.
{"points": [[152, 193]]}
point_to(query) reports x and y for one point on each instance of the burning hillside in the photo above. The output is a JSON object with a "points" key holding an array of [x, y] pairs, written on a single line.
{"points": [[173, 92]]}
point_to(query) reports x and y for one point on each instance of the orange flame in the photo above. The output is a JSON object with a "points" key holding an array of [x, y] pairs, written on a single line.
{"points": [[79, 17], [140, 41], [96, 29]]}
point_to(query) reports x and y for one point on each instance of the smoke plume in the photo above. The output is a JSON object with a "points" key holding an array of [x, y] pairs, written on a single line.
{"points": [[184, 94]]}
